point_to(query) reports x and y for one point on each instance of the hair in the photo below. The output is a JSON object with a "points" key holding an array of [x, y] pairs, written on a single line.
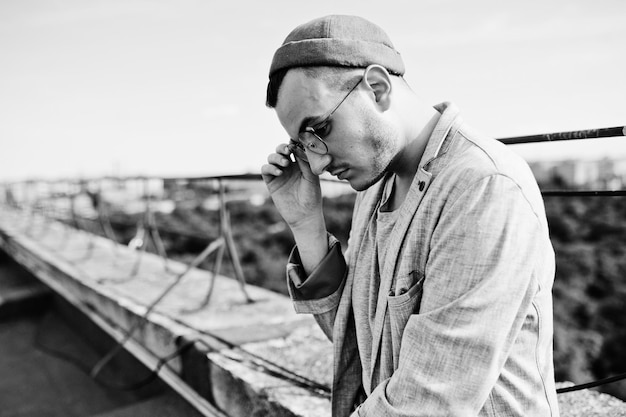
{"points": [[333, 77], [276, 79]]}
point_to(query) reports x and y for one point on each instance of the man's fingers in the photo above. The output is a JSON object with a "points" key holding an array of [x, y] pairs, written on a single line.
{"points": [[277, 163], [269, 170], [279, 160], [283, 149]]}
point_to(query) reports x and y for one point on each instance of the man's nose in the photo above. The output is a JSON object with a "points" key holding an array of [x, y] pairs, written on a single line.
{"points": [[318, 163]]}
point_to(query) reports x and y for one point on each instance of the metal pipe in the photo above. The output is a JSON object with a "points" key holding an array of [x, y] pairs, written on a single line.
{"points": [[580, 193], [608, 132]]}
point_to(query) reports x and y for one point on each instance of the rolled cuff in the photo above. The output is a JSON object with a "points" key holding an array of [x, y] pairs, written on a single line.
{"points": [[324, 281]]}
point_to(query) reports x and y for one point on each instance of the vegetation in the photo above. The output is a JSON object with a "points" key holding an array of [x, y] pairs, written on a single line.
{"points": [[589, 238]]}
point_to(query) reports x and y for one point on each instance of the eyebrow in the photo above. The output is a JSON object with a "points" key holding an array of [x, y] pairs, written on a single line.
{"points": [[310, 121]]}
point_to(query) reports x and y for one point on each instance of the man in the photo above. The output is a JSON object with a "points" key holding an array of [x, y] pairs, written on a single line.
{"points": [[442, 304]]}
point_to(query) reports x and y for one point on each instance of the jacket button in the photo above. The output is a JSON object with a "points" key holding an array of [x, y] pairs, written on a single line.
{"points": [[421, 185]]}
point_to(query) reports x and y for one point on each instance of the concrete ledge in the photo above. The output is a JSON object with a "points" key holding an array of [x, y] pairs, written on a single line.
{"points": [[234, 343], [230, 362]]}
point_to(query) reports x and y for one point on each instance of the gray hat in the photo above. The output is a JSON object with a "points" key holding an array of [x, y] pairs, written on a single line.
{"points": [[337, 40]]}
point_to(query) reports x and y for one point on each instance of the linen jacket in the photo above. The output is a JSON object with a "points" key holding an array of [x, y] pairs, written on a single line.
{"points": [[465, 291]]}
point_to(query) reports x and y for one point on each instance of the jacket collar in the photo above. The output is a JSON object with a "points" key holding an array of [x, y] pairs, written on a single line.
{"points": [[449, 121]]}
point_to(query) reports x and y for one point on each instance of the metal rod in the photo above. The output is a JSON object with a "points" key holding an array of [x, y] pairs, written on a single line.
{"points": [[46, 218], [160, 247], [226, 231], [220, 245], [592, 384], [105, 223], [28, 199], [141, 238], [578, 193], [607, 132], [107, 229], [91, 236], [129, 333], [71, 223], [153, 230]]}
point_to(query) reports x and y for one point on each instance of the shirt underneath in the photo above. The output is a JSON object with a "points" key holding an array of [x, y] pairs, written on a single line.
{"points": [[367, 282]]}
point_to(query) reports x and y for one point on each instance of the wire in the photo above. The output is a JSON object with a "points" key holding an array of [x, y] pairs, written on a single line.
{"points": [[265, 366], [247, 358], [592, 384], [86, 369]]}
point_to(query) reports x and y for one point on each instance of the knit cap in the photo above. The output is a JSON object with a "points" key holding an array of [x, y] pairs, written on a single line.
{"points": [[337, 40]]}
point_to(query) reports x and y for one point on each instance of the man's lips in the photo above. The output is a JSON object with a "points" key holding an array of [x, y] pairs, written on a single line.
{"points": [[339, 173]]}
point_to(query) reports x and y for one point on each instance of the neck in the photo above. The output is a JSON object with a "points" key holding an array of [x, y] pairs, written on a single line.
{"points": [[419, 130], [406, 163]]}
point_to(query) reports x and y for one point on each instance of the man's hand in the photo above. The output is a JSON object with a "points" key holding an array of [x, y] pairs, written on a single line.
{"points": [[296, 193], [294, 189]]}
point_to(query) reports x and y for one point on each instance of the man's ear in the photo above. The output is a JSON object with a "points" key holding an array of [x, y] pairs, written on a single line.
{"points": [[379, 81]]}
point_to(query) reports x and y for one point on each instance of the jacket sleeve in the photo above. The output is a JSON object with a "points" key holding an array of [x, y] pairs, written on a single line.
{"points": [[480, 281], [319, 293]]}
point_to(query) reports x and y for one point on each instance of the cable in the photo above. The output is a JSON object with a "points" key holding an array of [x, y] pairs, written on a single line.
{"points": [[258, 362], [86, 369], [248, 358], [268, 367], [592, 384]]}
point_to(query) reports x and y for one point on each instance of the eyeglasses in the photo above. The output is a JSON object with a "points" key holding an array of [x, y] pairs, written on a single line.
{"points": [[310, 139]]}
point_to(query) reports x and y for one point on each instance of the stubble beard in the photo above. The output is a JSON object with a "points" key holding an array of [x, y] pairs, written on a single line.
{"points": [[384, 143]]}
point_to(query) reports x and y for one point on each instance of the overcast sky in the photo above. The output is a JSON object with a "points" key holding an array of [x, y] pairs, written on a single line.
{"points": [[128, 87]]}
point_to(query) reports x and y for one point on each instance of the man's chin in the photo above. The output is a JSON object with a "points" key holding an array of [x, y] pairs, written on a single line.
{"points": [[358, 184]]}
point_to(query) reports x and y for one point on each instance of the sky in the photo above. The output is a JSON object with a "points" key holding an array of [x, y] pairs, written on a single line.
{"points": [[177, 88]]}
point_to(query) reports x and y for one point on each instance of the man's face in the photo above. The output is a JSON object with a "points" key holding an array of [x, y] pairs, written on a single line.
{"points": [[361, 144]]}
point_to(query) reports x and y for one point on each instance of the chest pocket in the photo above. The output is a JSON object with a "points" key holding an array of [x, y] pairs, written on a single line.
{"points": [[403, 301]]}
